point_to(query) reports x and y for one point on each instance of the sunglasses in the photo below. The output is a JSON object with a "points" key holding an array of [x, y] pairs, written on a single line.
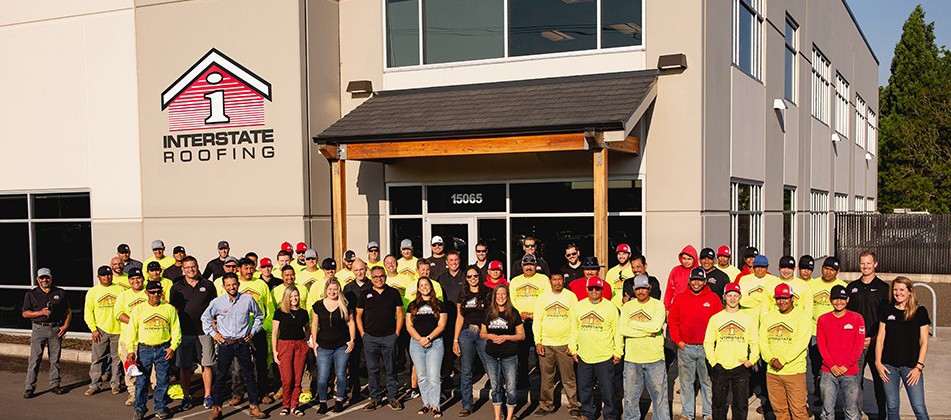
{"points": [[593, 288], [529, 245], [481, 251], [571, 254], [154, 292], [438, 244], [472, 276]]}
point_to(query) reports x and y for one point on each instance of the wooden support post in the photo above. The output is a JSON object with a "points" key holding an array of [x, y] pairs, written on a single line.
{"points": [[339, 202], [601, 207]]}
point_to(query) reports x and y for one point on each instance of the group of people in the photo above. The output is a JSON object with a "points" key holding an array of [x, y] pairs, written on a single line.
{"points": [[249, 323]]}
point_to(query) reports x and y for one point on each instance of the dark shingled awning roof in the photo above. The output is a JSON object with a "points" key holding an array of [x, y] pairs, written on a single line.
{"points": [[540, 106]]}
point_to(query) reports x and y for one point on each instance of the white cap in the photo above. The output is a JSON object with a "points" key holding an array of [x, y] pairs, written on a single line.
{"points": [[436, 240], [406, 244], [158, 244]]}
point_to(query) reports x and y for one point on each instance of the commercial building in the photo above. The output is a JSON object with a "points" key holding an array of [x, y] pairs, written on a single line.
{"points": [[653, 123]]}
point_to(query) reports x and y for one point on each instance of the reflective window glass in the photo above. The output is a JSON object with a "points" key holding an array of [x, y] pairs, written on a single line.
{"points": [[461, 30], [621, 23], [551, 26], [402, 33]]}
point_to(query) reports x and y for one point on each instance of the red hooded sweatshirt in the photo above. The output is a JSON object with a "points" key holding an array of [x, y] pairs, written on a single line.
{"points": [[679, 276], [690, 315]]}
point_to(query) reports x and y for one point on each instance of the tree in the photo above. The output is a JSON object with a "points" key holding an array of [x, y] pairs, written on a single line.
{"points": [[915, 123]]}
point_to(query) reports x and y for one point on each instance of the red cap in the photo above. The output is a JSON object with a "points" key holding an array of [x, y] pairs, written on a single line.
{"points": [[724, 251], [782, 291], [731, 287], [266, 262], [495, 265], [301, 247], [624, 248], [595, 282], [286, 246]]}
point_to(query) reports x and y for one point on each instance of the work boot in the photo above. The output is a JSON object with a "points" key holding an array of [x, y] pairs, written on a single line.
{"points": [[256, 412], [215, 413]]}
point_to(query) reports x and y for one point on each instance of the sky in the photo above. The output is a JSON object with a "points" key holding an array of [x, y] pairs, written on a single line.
{"points": [[881, 22]]}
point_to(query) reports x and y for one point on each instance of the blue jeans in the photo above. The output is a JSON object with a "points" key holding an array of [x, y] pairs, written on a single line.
{"points": [[337, 357], [428, 362], [226, 354], [601, 374], [897, 377], [637, 376], [375, 348], [691, 366], [830, 385], [470, 347], [149, 358], [503, 374]]}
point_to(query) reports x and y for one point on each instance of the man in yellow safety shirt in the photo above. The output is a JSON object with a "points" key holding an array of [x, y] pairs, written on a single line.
{"points": [[595, 348], [125, 303], [620, 272], [526, 288], [552, 330], [784, 337], [154, 335], [406, 265], [158, 254], [641, 330], [99, 312]]}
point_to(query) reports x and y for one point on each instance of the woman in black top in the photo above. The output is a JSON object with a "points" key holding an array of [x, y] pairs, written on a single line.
{"points": [[289, 341], [470, 305], [901, 347], [502, 329], [333, 331], [425, 322]]}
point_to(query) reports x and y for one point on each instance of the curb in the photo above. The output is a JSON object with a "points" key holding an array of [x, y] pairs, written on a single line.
{"points": [[23, 350]]}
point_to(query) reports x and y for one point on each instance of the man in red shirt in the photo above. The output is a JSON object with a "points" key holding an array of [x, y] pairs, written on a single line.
{"points": [[591, 268], [687, 322], [840, 335]]}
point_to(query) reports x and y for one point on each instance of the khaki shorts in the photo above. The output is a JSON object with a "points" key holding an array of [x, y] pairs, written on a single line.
{"points": [[195, 347]]}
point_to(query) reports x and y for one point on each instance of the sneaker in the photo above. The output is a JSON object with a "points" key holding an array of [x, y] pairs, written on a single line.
{"points": [[209, 402], [129, 401], [90, 391], [465, 412], [187, 404], [138, 415], [541, 412], [235, 401], [28, 394], [322, 408], [574, 413], [395, 405], [215, 413], [256, 412], [58, 390], [373, 405], [164, 414], [338, 406]]}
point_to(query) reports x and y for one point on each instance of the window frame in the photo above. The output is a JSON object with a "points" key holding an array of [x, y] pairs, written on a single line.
{"points": [[821, 71], [871, 138], [756, 9], [755, 211], [792, 47], [861, 125], [819, 217], [842, 92], [791, 213]]}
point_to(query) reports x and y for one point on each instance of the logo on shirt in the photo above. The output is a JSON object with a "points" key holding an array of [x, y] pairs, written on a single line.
{"points": [[56, 297], [641, 316], [107, 300], [425, 310], [472, 303], [706, 304], [369, 295], [821, 298], [136, 302], [556, 309], [498, 324], [731, 329], [202, 289], [890, 318], [527, 290], [758, 290], [591, 320], [251, 292], [855, 290], [848, 327], [155, 322], [780, 332]]}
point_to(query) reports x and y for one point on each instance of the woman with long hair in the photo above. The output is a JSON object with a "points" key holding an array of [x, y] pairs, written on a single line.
{"points": [[425, 323], [502, 329], [289, 341], [470, 305], [333, 332], [901, 347]]}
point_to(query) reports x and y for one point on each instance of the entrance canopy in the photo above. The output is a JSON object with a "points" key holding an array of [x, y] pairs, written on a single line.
{"points": [[597, 113]]}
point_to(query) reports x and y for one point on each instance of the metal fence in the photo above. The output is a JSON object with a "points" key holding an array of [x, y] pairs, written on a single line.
{"points": [[905, 243]]}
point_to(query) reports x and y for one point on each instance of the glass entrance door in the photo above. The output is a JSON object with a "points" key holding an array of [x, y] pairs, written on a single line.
{"points": [[455, 233]]}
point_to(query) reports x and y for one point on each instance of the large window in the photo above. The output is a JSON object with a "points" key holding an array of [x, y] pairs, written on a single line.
{"points": [[448, 31], [820, 86], [44, 230], [819, 216], [789, 221], [841, 203], [872, 135], [746, 215], [791, 64], [748, 36], [841, 105], [860, 125]]}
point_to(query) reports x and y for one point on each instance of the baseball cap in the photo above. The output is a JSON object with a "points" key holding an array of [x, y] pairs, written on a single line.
{"points": [[731, 287], [154, 265], [123, 249], [286, 246], [838, 292], [132, 369], [787, 261], [724, 251], [45, 272], [178, 249], [437, 240], [623, 248], [495, 265], [760, 261], [135, 272], [590, 263], [782, 291], [231, 258], [406, 244], [158, 244], [698, 273], [595, 282], [328, 264], [301, 247], [310, 254], [707, 253], [223, 245], [807, 262], [153, 285], [266, 262], [831, 262], [750, 252], [102, 271], [641, 282], [373, 244], [348, 256], [529, 259]]}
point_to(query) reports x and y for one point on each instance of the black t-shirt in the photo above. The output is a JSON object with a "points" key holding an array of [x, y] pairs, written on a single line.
{"points": [[473, 305], [379, 310], [452, 285], [214, 269], [352, 292], [869, 300], [501, 326], [437, 266], [572, 273], [191, 302], [483, 271], [36, 299], [173, 273], [901, 346], [425, 320], [292, 325], [332, 331], [655, 287], [717, 281]]}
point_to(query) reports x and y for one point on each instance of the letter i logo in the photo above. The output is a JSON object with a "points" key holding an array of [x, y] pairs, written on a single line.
{"points": [[216, 101]]}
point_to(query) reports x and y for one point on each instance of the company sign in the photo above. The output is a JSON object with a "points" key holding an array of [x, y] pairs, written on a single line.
{"points": [[216, 113]]}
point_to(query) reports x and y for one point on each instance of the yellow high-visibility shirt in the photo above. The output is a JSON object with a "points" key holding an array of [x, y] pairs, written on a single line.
{"points": [[594, 331], [344, 276], [821, 290], [525, 291], [153, 325], [166, 262], [552, 317], [122, 280], [785, 337], [277, 293], [125, 303], [100, 306], [731, 337], [400, 283], [616, 276], [752, 289], [730, 270], [641, 329], [802, 294], [374, 264], [410, 293], [306, 278], [407, 267]]}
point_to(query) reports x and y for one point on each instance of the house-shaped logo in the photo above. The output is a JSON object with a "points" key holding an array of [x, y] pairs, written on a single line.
{"points": [[821, 297], [556, 309], [592, 319], [756, 290], [527, 290], [136, 301], [780, 331], [156, 321], [216, 92], [107, 300], [640, 316], [251, 292], [731, 329]]}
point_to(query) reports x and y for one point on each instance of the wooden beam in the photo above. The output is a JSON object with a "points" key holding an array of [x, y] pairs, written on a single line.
{"points": [[329, 151], [601, 207], [338, 188], [630, 144], [479, 146]]}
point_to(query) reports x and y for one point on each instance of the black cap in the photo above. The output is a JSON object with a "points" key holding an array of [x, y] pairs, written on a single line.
{"points": [[698, 273], [123, 249], [154, 265], [590, 263], [223, 245], [838, 292], [135, 272], [153, 285], [831, 262], [708, 253], [328, 264], [807, 262], [349, 256], [104, 270], [178, 249], [529, 259], [787, 261], [750, 252]]}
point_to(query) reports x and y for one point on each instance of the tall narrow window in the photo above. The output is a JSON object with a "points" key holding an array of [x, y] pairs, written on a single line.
{"points": [[872, 140], [819, 218], [841, 203], [859, 206], [789, 221], [841, 105], [747, 36], [791, 63], [746, 215], [820, 86], [870, 205], [861, 127]]}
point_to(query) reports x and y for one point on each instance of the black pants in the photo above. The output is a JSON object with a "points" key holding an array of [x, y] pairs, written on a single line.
{"points": [[868, 359], [259, 358], [525, 348], [355, 369], [736, 380], [226, 354], [449, 357], [815, 367]]}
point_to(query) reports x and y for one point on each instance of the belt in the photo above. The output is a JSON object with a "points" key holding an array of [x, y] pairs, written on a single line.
{"points": [[154, 346], [233, 341], [48, 324]]}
